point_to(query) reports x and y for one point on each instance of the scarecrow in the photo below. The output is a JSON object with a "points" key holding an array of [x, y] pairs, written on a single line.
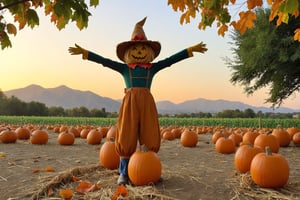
{"points": [[138, 117]]}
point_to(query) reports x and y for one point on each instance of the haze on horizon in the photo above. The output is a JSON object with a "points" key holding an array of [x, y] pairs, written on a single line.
{"points": [[40, 56]]}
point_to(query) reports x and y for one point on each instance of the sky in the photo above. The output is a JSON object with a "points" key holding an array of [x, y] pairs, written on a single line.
{"points": [[40, 55]]}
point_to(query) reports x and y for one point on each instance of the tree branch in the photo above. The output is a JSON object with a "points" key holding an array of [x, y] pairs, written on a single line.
{"points": [[13, 4]]}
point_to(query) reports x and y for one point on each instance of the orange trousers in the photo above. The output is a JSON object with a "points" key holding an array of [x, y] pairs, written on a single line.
{"points": [[137, 122]]}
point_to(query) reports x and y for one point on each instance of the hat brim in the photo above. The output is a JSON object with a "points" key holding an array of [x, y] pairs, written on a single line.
{"points": [[122, 47]]}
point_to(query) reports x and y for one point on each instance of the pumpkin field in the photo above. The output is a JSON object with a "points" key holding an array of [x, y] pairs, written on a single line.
{"points": [[64, 158]]}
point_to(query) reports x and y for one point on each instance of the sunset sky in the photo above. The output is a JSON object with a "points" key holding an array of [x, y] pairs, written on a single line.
{"points": [[40, 55]]}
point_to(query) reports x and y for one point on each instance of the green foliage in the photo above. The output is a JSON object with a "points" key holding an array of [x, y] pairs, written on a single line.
{"points": [[164, 121], [61, 12], [267, 56]]}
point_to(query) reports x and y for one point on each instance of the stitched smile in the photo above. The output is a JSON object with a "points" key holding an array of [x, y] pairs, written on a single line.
{"points": [[138, 58]]}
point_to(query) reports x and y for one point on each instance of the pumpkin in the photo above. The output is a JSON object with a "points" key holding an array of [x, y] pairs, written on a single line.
{"points": [[23, 133], [244, 156], [63, 128], [74, 130], [103, 130], [250, 136], [66, 138], [225, 145], [84, 132], [139, 53], [108, 156], [8, 136], [111, 133], [216, 136], [56, 129], [168, 135], [39, 137], [237, 138], [94, 137], [296, 139], [144, 167], [269, 170], [177, 132], [282, 135], [189, 138], [293, 130], [267, 139]]}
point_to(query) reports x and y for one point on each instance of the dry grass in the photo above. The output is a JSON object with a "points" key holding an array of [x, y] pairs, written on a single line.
{"points": [[246, 189]]}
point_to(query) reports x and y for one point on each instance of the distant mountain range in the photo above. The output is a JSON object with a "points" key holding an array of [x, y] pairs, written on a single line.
{"points": [[70, 98]]}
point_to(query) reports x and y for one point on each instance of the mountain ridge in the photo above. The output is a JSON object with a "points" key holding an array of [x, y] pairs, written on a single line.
{"points": [[66, 97]]}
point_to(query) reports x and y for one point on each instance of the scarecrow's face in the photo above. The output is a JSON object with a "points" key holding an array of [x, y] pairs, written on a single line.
{"points": [[139, 53]]}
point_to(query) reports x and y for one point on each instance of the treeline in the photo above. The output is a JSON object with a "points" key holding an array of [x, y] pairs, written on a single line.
{"points": [[248, 113], [14, 106]]}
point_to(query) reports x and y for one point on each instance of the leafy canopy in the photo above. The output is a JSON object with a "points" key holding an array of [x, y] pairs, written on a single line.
{"points": [[267, 56], [24, 13], [218, 11]]}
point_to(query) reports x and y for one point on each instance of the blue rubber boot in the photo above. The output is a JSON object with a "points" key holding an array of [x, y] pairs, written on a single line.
{"points": [[123, 178]]}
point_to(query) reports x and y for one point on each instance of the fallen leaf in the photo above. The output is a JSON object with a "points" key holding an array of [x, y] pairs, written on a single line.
{"points": [[75, 179], [121, 190], [66, 193], [49, 169], [35, 170], [85, 187]]}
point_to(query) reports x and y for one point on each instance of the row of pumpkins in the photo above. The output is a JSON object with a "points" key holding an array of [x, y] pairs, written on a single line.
{"points": [[139, 169], [247, 144], [257, 152]]}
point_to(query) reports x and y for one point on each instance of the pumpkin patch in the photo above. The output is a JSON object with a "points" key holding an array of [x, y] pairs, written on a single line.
{"points": [[189, 166]]}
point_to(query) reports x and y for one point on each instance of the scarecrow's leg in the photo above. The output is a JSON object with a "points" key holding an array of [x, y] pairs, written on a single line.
{"points": [[123, 178]]}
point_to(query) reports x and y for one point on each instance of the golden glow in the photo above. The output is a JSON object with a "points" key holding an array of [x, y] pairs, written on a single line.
{"points": [[40, 56]]}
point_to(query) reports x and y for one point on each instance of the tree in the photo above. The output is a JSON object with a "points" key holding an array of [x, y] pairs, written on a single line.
{"points": [[36, 108], [24, 13], [210, 11], [218, 11], [266, 56]]}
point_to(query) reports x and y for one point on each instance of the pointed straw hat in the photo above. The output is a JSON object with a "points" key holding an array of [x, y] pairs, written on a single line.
{"points": [[138, 36]]}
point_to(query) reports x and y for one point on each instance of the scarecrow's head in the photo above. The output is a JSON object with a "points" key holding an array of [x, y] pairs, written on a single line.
{"points": [[138, 49]]}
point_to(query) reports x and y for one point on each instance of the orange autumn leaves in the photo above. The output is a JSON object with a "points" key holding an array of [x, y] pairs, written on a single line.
{"points": [[217, 11], [84, 187]]}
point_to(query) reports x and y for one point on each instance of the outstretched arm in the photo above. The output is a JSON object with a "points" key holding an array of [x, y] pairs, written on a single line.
{"points": [[77, 50], [201, 48]]}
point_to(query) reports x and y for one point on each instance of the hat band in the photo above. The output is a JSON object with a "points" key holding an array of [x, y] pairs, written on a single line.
{"points": [[139, 37]]}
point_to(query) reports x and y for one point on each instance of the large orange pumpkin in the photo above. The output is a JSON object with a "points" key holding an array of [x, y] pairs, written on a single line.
{"points": [[84, 132], [225, 145], [244, 156], [74, 130], [216, 135], [269, 170], [296, 139], [144, 167], [23, 133], [250, 136], [111, 133], [108, 156], [39, 137], [8, 136], [66, 138], [293, 130], [94, 137], [189, 138], [282, 135], [267, 139]]}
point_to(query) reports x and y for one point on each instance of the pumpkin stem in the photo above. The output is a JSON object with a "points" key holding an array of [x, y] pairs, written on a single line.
{"points": [[268, 151]]}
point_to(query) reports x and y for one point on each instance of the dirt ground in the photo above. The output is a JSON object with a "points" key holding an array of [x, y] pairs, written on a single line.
{"points": [[188, 173]]}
